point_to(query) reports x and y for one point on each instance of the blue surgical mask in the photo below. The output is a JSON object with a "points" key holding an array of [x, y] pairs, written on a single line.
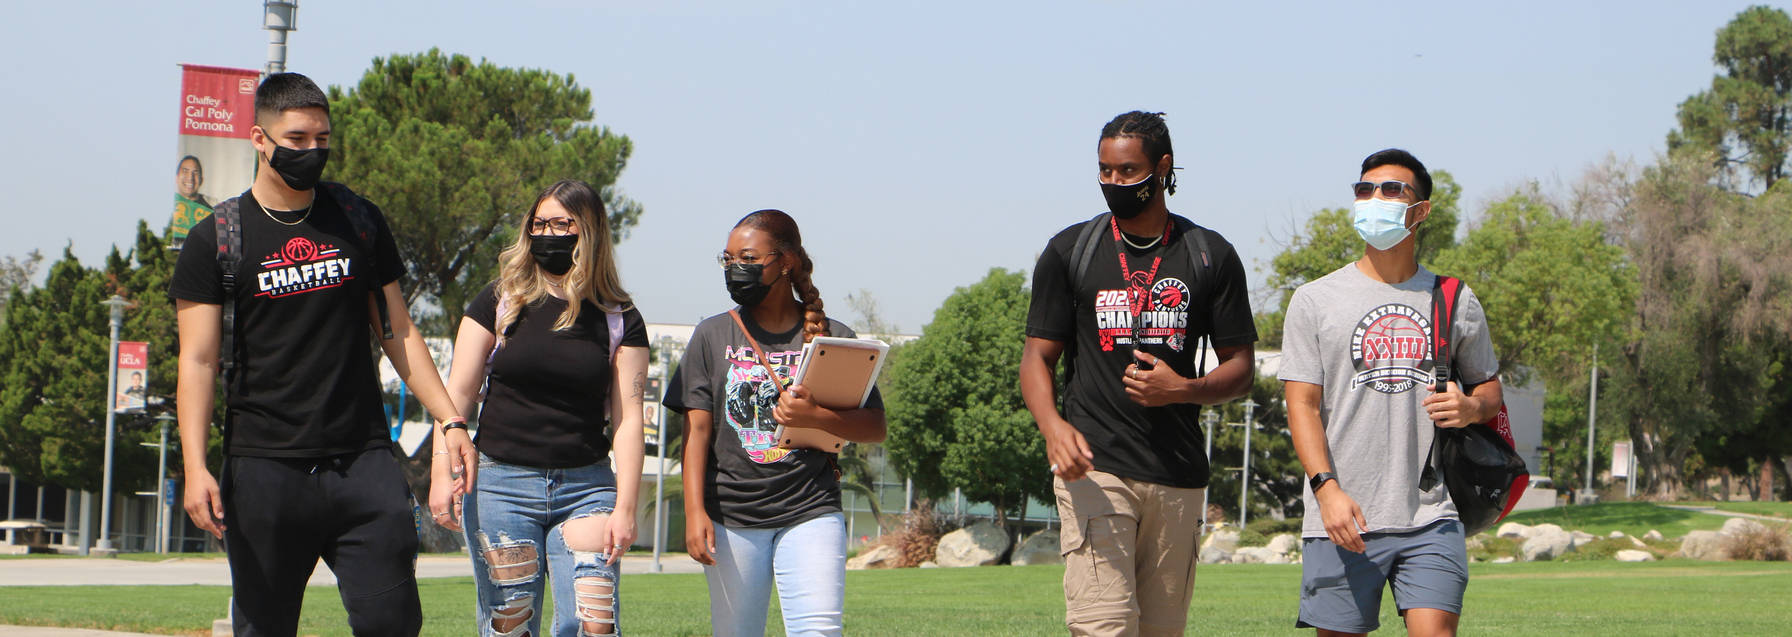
{"points": [[1381, 223]]}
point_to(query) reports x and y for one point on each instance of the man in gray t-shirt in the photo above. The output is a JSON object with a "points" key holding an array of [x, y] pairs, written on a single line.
{"points": [[1357, 367]]}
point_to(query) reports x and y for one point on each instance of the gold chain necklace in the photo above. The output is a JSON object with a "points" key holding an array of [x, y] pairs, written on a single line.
{"points": [[302, 218]]}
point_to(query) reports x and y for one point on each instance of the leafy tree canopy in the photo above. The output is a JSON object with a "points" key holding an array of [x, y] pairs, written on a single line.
{"points": [[455, 152], [1744, 121]]}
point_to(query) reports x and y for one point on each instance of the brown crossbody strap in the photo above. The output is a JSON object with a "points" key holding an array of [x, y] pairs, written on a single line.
{"points": [[757, 350]]}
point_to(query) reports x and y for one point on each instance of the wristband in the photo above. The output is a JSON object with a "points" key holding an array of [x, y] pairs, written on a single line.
{"points": [[456, 422]]}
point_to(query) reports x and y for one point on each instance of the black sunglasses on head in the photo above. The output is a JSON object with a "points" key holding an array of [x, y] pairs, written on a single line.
{"points": [[1389, 189]]}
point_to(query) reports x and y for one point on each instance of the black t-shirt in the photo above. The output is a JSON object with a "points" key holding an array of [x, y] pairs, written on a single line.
{"points": [[547, 397], [749, 482], [305, 384], [1159, 445]]}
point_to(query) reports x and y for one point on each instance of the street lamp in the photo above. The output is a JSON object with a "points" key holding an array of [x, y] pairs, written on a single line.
{"points": [[667, 345], [279, 17], [117, 305], [162, 494], [1208, 420], [1244, 478]]}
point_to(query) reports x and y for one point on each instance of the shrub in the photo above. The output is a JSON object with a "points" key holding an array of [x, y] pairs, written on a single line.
{"points": [[1604, 549], [1272, 527], [1250, 537], [1766, 543], [916, 533], [1492, 548]]}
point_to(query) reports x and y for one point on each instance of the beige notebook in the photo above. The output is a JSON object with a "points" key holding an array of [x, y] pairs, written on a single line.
{"points": [[839, 373]]}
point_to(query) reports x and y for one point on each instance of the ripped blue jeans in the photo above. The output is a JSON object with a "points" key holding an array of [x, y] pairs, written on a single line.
{"points": [[515, 512]]}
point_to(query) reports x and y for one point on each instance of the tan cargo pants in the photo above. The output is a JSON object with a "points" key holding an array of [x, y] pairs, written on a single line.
{"points": [[1130, 549]]}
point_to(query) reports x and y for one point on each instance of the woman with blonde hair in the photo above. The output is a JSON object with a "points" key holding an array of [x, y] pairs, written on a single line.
{"points": [[561, 352], [757, 514]]}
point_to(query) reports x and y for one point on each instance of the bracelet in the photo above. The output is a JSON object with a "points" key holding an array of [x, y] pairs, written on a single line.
{"points": [[456, 422], [440, 453]]}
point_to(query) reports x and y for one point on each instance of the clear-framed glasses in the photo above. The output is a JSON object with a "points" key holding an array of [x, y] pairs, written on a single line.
{"points": [[724, 259], [1389, 189], [558, 225]]}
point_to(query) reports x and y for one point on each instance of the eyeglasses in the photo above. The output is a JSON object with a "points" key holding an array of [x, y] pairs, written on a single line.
{"points": [[560, 225], [1389, 189], [724, 259]]}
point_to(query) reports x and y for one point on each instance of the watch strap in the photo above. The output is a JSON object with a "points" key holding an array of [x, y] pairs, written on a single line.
{"points": [[1319, 479]]}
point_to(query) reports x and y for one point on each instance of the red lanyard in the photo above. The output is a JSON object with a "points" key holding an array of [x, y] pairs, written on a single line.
{"points": [[1136, 292]]}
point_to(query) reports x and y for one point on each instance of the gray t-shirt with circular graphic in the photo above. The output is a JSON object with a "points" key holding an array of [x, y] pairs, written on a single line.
{"points": [[1368, 344]]}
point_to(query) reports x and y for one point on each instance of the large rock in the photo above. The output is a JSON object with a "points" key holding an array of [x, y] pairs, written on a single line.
{"points": [[930, 564], [1637, 543], [1545, 528], [1514, 531], [1039, 548], [980, 544], [1224, 538], [1635, 556], [1504, 559], [1251, 555], [1741, 526], [1616, 535], [880, 556], [1582, 538], [1547, 544], [1284, 544], [1215, 555], [1710, 546], [1276, 558], [1653, 535]]}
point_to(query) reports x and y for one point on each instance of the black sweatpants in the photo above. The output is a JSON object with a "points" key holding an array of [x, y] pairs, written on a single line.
{"points": [[353, 510]]}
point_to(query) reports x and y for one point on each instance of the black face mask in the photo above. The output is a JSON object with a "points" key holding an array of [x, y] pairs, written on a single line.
{"points": [[553, 254], [300, 169], [1128, 201], [745, 284]]}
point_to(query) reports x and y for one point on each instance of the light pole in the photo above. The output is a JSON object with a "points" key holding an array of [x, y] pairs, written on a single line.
{"points": [[162, 486], [1586, 496], [666, 346], [279, 17], [117, 305], [1208, 420]]}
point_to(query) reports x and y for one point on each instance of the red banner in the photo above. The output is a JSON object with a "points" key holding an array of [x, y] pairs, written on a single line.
{"points": [[133, 377], [217, 102]]}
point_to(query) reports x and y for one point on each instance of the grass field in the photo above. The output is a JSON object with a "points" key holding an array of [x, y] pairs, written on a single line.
{"points": [[1635, 518], [1597, 598], [1776, 509]]}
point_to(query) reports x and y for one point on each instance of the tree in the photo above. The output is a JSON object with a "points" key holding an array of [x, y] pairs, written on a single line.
{"points": [[955, 412], [1330, 242], [16, 275], [1277, 478], [1714, 304], [1744, 121], [454, 153]]}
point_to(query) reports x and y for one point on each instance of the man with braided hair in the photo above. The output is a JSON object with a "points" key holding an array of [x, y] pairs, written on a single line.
{"points": [[1124, 298]]}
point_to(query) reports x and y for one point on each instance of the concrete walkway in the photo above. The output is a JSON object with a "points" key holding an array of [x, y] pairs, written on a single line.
{"points": [[1715, 511], [215, 572], [35, 631]]}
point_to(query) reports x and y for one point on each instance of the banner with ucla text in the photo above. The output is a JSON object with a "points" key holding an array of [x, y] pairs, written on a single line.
{"points": [[215, 160]]}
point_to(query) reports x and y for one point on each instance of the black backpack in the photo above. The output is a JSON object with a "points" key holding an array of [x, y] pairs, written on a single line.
{"points": [[1193, 238], [1478, 463], [228, 216]]}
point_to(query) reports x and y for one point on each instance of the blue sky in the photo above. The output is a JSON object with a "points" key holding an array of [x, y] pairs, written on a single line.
{"points": [[918, 143]]}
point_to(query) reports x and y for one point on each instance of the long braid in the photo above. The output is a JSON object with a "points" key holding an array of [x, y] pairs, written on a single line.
{"points": [[815, 321]]}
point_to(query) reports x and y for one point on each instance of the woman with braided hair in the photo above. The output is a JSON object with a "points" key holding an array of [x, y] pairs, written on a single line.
{"points": [[758, 515]]}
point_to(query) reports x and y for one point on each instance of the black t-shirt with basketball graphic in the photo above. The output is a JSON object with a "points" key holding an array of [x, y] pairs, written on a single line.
{"points": [[1159, 445], [306, 385]]}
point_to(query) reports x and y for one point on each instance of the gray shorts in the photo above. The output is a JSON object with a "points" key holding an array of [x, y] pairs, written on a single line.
{"points": [[1341, 590]]}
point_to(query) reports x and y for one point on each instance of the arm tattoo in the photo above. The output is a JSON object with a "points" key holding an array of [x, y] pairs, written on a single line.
{"points": [[640, 385]]}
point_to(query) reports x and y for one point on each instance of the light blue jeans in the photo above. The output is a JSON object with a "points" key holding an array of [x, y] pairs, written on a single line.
{"points": [[808, 562], [516, 510]]}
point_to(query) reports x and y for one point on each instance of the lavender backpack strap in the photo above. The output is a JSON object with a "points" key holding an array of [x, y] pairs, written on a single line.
{"points": [[497, 344]]}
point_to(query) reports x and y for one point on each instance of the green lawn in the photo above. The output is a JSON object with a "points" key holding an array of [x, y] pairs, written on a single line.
{"points": [[1635, 518], [1673, 598], [1777, 509]]}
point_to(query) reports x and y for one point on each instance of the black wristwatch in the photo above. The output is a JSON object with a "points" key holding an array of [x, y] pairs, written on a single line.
{"points": [[1319, 479]]}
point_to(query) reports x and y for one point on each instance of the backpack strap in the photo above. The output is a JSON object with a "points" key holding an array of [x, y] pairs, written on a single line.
{"points": [[229, 219], [360, 216], [1084, 251], [1444, 294]]}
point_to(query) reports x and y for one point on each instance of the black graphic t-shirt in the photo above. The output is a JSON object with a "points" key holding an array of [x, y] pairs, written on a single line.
{"points": [[750, 482], [547, 397], [1159, 445], [306, 385]]}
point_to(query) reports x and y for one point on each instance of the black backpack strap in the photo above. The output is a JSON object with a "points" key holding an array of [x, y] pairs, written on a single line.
{"points": [[1443, 319], [1194, 240], [360, 217], [1084, 251], [229, 219]]}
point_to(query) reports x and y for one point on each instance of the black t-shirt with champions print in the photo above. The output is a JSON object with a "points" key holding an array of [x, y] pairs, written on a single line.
{"points": [[306, 385], [1159, 445], [545, 404], [750, 482]]}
